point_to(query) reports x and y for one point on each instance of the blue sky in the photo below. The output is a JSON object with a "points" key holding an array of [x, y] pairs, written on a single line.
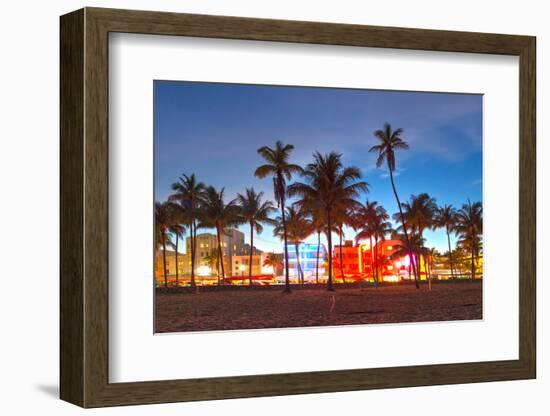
{"points": [[214, 129]]}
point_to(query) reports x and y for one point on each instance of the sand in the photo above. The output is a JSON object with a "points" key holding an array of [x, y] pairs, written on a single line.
{"points": [[251, 309]]}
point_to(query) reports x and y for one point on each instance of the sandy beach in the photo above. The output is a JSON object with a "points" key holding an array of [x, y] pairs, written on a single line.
{"points": [[252, 309]]}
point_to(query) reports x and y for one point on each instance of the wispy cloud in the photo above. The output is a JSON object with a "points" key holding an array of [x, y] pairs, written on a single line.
{"points": [[396, 172]]}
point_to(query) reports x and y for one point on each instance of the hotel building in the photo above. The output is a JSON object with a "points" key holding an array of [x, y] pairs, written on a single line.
{"points": [[308, 260], [232, 245], [207, 243], [240, 265]]}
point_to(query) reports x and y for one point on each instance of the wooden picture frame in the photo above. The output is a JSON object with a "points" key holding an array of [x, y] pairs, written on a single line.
{"points": [[84, 207]]}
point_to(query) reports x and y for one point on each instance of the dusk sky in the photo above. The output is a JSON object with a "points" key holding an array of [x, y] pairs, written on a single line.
{"points": [[214, 129]]}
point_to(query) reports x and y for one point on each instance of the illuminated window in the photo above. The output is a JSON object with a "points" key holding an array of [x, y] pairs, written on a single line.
{"points": [[389, 248]]}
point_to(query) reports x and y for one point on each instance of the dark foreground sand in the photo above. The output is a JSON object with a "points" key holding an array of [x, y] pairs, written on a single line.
{"points": [[248, 309]]}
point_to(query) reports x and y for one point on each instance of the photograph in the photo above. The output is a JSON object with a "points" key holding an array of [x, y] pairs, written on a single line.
{"points": [[279, 206]]}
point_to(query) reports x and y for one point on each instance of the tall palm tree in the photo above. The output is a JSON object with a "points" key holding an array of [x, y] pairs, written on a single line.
{"points": [[218, 215], [446, 218], [254, 212], [298, 227], [163, 222], [469, 226], [328, 185], [278, 166], [188, 193], [390, 141]]}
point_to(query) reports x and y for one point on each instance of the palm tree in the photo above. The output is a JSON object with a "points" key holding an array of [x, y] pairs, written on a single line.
{"points": [[273, 260], [163, 221], [254, 212], [318, 224], [298, 228], [414, 250], [343, 216], [420, 212], [328, 185], [281, 169], [178, 231], [363, 218], [430, 254], [218, 215], [212, 260], [446, 218], [469, 226], [378, 227], [390, 141], [188, 193]]}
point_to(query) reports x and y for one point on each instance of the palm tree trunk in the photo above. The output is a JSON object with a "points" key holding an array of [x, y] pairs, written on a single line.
{"points": [[287, 280], [404, 230], [376, 279], [450, 254], [341, 258], [220, 255], [164, 259], [317, 258], [298, 265], [251, 249], [427, 271], [329, 240], [473, 263], [372, 261], [193, 283], [177, 265]]}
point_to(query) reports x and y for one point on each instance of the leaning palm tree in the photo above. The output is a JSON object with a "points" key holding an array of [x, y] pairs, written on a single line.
{"points": [[254, 212], [278, 166], [328, 185], [218, 215], [188, 193], [163, 222], [446, 218], [390, 141], [469, 227]]}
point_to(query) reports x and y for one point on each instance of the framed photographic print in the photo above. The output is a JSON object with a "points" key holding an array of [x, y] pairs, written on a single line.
{"points": [[257, 207]]}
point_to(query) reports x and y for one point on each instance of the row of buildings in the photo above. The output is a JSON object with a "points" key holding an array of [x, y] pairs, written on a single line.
{"points": [[350, 261]]}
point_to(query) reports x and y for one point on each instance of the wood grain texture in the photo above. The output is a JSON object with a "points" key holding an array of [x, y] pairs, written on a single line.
{"points": [[84, 207], [71, 100]]}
